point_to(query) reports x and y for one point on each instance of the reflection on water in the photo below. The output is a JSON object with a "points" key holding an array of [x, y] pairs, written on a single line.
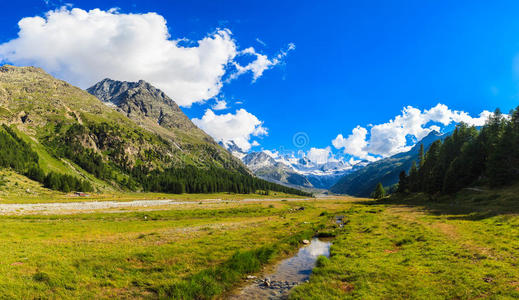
{"points": [[289, 272]]}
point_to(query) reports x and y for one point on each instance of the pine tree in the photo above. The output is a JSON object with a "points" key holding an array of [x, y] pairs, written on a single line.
{"points": [[413, 178], [421, 156], [430, 183], [379, 192], [499, 166], [403, 184]]}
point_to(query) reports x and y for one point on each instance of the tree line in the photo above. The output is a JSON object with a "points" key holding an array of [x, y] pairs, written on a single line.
{"points": [[190, 179], [178, 180], [18, 155], [489, 156]]}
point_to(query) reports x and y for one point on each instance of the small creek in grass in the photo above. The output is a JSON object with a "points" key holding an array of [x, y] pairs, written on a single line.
{"points": [[288, 273]]}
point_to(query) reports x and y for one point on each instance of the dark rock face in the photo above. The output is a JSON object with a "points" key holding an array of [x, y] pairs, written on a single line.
{"points": [[141, 101]]}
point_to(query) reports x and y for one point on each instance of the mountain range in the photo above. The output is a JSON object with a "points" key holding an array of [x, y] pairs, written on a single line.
{"points": [[152, 109], [293, 171], [337, 176], [362, 182]]}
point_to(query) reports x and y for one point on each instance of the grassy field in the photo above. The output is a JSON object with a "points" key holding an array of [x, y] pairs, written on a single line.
{"points": [[462, 247], [189, 251], [459, 247]]}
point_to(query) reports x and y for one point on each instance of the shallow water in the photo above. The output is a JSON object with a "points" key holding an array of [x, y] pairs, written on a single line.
{"points": [[288, 273]]}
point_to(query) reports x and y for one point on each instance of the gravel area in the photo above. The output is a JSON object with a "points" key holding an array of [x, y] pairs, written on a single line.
{"points": [[97, 205]]}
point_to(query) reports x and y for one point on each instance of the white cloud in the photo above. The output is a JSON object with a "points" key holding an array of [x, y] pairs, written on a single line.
{"points": [[237, 128], [260, 63], [255, 143], [220, 105], [392, 137], [84, 47], [355, 144], [319, 155]]}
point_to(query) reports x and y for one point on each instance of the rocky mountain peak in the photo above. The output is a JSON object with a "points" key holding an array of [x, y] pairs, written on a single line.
{"points": [[141, 102]]}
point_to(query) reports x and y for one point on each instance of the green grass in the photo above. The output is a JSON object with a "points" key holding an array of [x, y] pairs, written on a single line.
{"points": [[149, 254], [214, 281], [453, 247]]}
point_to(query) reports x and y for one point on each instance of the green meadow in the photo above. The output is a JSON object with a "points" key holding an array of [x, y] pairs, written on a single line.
{"points": [[458, 247], [464, 246], [193, 251]]}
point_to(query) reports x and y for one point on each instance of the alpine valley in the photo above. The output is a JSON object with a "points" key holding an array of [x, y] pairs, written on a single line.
{"points": [[132, 137], [282, 150], [335, 175]]}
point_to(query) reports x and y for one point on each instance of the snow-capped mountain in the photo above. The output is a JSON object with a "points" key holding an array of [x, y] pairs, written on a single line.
{"points": [[292, 170]]}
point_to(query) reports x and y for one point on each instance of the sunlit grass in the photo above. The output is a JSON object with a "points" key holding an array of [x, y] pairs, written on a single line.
{"points": [[453, 247], [149, 254]]}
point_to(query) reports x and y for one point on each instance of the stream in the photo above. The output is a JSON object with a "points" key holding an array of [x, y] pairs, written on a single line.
{"points": [[288, 273]]}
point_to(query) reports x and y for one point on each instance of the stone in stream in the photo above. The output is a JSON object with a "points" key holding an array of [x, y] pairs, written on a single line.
{"points": [[266, 282], [306, 242], [251, 277]]}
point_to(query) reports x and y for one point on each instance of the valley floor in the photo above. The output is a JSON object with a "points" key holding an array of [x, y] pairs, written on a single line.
{"points": [[465, 247], [460, 247]]}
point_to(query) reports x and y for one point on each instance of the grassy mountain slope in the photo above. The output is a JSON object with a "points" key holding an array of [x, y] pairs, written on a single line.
{"points": [[74, 134], [43, 111]]}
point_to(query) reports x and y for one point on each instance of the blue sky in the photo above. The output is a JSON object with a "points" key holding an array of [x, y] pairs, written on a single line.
{"points": [[354, 62]]}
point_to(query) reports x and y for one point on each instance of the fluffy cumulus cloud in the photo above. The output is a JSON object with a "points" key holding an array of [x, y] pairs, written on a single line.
{"points": [[355, 144], [239, 127], [220, 105], [392, 137], [84, 47], [319, 155]]}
